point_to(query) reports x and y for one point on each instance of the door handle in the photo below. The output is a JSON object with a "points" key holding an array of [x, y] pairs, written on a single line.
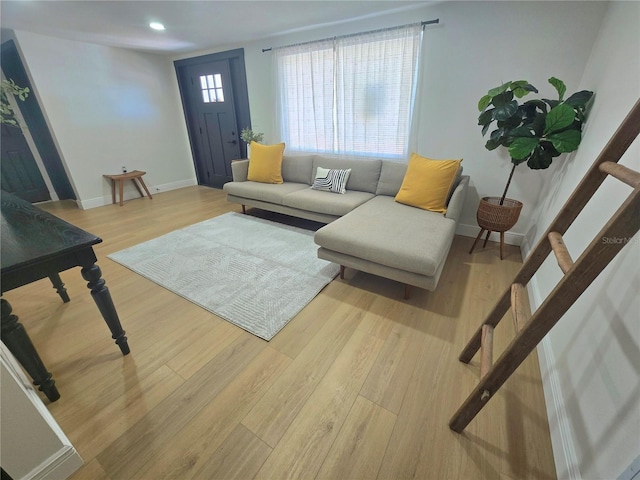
{"points": [[233, 141]]}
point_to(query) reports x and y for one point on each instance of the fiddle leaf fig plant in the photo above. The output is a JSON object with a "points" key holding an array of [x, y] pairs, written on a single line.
{"points": [[534, 131]]}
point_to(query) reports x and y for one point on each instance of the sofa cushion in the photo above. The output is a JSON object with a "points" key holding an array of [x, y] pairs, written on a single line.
{"points": [[391, 176], [427, 183], [297, 168], [331, 180], [364, 172], [265, 164], [267, 192], [325, 202], [409, 239]]}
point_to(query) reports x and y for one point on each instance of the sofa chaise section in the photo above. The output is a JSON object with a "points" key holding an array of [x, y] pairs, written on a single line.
{"points": [[386, 238]]}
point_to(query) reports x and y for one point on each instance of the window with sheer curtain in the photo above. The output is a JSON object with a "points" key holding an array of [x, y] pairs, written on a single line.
{"points": [[349, 95]]}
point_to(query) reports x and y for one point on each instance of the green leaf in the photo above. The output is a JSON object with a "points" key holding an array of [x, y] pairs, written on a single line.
{"points": [[537, 124], [566, 141], [498, 90], [485, 129], [579, 99], [522, 147], [513, 121], [502, 99], [505, 111], [558, 118], [485, 118], [522, 88], [498, 135], [491, 144], [536, 104], [540, 159], [484, 102], [549, 148], [521, 132], [559, 85]]}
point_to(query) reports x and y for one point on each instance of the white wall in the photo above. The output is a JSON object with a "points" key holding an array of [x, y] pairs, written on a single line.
{"points": [[591, 359], [476, 46], [107, 108]]}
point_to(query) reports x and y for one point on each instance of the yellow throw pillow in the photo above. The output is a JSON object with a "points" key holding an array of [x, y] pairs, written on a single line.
{"points": [[265, 164], [427, 183]]}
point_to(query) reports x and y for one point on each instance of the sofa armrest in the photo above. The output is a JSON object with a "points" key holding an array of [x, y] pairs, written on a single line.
{"points": [[454, 208], [240, 170]]}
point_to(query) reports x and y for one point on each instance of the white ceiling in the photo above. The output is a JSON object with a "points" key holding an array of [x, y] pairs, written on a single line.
{"points": [[191, 25]]}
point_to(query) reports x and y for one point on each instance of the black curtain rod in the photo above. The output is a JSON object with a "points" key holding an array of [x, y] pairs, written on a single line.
{"points": [[426, 22]]}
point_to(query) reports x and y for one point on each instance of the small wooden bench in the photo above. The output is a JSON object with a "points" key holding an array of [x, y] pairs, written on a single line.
{"points": [[120, 178]]}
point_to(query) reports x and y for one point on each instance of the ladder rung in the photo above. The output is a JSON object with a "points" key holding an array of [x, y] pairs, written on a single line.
{"points": [[518, 311], [486, 350], [560, 250], [622, 173]]}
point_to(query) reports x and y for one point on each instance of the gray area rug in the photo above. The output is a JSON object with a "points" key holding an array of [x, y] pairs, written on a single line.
{"points": [[254, 273]]}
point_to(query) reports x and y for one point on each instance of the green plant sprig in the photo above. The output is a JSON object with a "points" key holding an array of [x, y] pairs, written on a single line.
{"points": [[248, 135], [8, 87]]}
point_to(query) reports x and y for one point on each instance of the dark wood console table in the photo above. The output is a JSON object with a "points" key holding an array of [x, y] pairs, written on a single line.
{"points": [[35, 245]]}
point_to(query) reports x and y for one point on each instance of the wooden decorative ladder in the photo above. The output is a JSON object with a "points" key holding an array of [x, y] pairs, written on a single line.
{"points": [[578, 275]]}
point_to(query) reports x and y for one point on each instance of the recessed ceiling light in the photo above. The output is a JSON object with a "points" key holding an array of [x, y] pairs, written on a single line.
{"points": [[156, 26]]}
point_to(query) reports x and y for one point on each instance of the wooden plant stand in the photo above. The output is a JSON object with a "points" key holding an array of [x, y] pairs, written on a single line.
{"points": [[493, 217]]}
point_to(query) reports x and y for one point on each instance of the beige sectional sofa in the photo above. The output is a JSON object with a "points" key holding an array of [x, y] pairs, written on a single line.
{"points": [[366, 228]]}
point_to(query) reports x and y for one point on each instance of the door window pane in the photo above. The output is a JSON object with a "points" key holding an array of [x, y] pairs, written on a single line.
{"points": [[211, 86]]}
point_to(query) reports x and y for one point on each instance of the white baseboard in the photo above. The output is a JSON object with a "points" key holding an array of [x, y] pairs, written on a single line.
{"points": [[472, 231], [61, 465], [564, 454], [128, 195]]}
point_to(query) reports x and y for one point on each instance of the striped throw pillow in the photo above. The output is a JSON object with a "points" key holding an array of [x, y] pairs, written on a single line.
{"points": [[328, 180]]}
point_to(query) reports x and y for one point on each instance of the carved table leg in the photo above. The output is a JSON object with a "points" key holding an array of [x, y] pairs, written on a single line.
{"points": [[102, 297], [59, 286], [17, 340]]}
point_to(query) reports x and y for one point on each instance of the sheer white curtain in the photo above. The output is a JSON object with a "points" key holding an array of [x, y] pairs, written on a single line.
{"points": [[350, 95], [305, 96]]}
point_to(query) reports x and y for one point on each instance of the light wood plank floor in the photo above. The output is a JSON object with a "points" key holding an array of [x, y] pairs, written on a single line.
{"points": [[360, 385]]}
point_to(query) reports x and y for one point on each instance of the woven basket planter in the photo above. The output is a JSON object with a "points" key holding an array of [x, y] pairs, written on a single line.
{"points": [[495, 217]]}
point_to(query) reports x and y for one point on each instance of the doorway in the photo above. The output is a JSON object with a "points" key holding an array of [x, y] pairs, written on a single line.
{"points": [[20, 169], [214, 96]]}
